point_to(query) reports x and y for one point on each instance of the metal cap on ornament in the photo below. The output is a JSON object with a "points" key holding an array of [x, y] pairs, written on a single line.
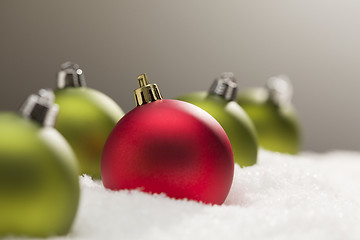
{"points": [[147, 92], [225, 86], [41, 108], [280, 89], [70, 76]]}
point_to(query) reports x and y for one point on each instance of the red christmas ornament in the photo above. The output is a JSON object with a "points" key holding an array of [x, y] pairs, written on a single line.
{"points": [[168, 146]]}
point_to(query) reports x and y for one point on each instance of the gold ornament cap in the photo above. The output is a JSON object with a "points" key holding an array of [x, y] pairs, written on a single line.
{"points": [[147, 92]]}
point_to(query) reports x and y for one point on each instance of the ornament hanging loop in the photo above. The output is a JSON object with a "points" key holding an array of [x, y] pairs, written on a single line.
{"points": [[143, 80]]}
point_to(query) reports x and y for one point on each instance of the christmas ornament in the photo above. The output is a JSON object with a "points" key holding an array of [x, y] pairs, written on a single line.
{"points": [[273, 114], [85, 119], [39, 187], [237, 125], [168, 146]]}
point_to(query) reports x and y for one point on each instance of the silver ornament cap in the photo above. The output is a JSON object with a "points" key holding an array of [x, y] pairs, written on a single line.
{"points": [[70, 75], [280, 89], [225, 86], [41, 108]]}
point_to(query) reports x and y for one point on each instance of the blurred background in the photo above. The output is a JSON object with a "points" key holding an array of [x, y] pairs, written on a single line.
{"points": [[184, 45]]}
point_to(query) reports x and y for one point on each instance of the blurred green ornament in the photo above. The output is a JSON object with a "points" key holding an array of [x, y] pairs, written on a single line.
{"points": [[39, 185], [86, 117], [273, 115], [219, 103]]}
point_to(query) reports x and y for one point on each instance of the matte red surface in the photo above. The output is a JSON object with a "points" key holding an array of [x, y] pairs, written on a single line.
{"points": [[170, 147]]}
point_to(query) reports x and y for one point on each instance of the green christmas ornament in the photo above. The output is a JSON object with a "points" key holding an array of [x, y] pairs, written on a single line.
{"points": [[39, 185], [86, 117], [237, 125], [273, 115]]}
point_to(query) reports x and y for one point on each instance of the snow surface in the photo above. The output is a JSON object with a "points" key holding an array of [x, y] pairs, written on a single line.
{"points": [[311, 196]]}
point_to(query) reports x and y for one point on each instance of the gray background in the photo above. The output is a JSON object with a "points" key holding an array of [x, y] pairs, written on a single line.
{"points": [[184, 45]]}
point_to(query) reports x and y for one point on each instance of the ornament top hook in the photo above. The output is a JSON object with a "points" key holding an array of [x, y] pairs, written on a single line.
{"points": [[41, 108], [143, 80], [225, 86], [280, 89], [147, 92], [70, 76]]}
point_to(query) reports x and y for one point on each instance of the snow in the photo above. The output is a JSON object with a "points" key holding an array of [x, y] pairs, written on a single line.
{"points": [[310, 196]]}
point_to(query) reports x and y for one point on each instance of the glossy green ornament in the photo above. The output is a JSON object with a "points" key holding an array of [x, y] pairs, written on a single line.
{"points": [[86, 117], [237, 125], [39, 186], [273, 115]]}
